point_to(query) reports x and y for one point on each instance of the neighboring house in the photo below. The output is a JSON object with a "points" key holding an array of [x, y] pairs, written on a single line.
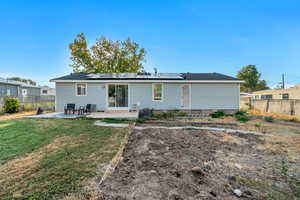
{"points": [[47, 91], [288, 93], [17, 89], [160, 91]]}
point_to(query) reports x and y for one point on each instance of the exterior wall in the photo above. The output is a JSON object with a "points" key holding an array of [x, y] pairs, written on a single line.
{"points": [[31, 91], [215, 96], [141, 94], [50, 91], [203, 96], [4, 87], [65, 93], [294, 93]]}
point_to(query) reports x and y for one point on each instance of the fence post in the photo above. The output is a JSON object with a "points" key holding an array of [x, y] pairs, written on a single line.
{"points": [[292, 104], [267, 107]]}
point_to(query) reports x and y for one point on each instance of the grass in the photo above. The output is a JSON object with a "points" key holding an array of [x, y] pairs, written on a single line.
{"points": [[50, 158]]}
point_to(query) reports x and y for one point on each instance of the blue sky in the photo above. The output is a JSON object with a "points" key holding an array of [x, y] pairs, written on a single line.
{"points": [[179, 36]]}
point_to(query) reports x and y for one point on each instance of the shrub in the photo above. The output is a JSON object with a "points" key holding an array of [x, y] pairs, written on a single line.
{"points": [[241, 116], [11, 105], [269, 119], [217, 114]]}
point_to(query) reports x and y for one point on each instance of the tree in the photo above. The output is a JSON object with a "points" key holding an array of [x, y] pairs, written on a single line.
{"points": [[252, 80], [106, 56], [27, 81]]}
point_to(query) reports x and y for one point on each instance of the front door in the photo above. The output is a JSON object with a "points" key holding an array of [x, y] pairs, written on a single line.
{"points": [[117, 96], [185, 97]]}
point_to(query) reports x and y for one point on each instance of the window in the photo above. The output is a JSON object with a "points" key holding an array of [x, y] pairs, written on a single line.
{"points": [[8, 92], [44, 91], [157, 92], [285, 96], [81, 89], [267, 96], [24, 92]]}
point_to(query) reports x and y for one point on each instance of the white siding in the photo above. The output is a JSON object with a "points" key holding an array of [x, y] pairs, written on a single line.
{"points": [[65, 93], [203, 96], [215, 96]]}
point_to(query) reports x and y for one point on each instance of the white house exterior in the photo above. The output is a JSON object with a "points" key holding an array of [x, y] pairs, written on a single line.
{"points": [[162, 91]]}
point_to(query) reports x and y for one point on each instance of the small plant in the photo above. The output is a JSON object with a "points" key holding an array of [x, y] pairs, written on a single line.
{"points": [[269, 119], [241, 116], [294, 119], [284, 168], [11, 105], [217, 114]]}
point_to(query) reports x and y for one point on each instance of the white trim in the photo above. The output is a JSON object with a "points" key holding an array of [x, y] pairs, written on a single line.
{"points": [[106, 99], [190, 96], [147, 81], [162, 92], [82, 95]]}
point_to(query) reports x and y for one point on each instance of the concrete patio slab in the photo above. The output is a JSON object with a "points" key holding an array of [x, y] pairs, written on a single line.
{"points": [[117, 125], [114, 115], [95, 115], [54, 115]]}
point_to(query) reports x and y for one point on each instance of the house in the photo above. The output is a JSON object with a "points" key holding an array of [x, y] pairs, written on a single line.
{"points": [[282, 93], [47, 91], [17, 89], [160, 91]]}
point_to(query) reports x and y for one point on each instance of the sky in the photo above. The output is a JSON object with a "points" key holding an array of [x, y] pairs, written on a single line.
{"points": [[178, 35]]}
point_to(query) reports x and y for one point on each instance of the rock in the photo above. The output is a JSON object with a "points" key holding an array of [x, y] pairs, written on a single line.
{"points": [[197, 170], [237, 192]]}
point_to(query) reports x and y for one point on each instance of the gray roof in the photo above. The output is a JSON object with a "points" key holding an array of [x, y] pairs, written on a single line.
{"points": [[146, 76]]}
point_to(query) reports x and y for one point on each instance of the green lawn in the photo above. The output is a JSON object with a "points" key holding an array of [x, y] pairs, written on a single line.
{"points": [[50, 158]]}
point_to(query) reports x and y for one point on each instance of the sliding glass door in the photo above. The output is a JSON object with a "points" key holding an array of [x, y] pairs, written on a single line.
{"points": [[117, 96]]}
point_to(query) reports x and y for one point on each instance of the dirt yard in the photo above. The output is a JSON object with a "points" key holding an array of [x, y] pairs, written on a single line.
{"points": [[198, 164]]}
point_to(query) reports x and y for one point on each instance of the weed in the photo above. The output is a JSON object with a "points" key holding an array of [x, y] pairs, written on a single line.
{"points": [[217, 114], [268, 118]]}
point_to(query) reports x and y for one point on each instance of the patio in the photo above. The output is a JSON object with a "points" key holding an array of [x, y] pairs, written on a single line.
{"points": [[95, 115]]}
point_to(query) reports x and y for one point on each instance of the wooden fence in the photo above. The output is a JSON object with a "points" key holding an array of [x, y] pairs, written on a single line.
{"points": [[32, 102]]}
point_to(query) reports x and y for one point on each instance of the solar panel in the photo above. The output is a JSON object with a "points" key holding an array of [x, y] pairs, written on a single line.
{"points": [[136, 75]]}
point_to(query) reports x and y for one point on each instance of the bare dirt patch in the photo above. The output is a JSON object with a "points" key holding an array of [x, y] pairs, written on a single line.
{"points": [[196, 164], [16, 115]]}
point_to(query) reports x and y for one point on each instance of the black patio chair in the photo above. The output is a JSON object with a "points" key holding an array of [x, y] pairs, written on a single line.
{"points": [[69, 108], [88, 108]]}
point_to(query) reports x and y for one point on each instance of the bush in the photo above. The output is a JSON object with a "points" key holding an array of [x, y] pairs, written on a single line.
{"points": [[269, 119], [241, 116], [217, 114], [11, 105]]}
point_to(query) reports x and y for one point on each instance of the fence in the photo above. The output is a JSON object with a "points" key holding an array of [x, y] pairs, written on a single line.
{"points": [[280, 106], [33, 102]]}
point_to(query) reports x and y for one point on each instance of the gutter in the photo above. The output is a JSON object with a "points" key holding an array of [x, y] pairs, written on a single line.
{"points": [[147, 81]]}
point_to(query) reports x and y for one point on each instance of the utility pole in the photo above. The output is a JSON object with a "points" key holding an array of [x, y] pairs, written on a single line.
{"points": [[283, 86]]}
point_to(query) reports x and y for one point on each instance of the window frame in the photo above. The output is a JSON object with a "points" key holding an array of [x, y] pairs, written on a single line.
{"points": [[76, 89], [285, 94], [24, 92], [162, 92]]}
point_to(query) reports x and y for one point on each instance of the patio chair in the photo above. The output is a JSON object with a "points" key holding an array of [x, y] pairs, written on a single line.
{"points": [[88, 108], [69, 108]]}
